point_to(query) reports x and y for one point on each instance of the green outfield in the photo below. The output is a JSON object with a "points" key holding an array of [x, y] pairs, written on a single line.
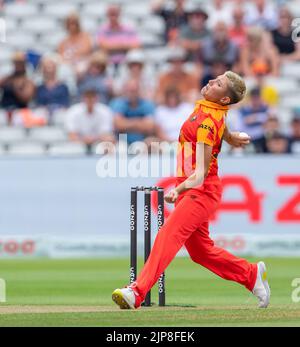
{"points": [[78, 293]]}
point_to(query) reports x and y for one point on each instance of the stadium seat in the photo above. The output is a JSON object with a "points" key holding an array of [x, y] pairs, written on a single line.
{"points": [[2, 151], [290, 102], [11, 135], [149, 40], [60, 10], [89, 24], [44, 48], [11, 24], [40, 25], [57, 2], [53, 40], [295, 148], [283, 85], [79, 2], [65, 73], [284, 114], [48, 134], [94, 10], [137, 10], [5, 69], [67, 149], [44, 2], [158, 55], [21, 40], [291, 70], [58, 117], [26, 148], [6, 54], [3, 118], [154, 24], [121, 2], [21, 10]]}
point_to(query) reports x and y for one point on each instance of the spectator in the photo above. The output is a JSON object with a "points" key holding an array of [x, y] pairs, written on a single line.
{"points": [[175, 17], [253, 117], [135, 69], [282, 37], [29, 118], [133, 114], [269, 92], [52, 93], [90, 122], [116, 38], [259, 55], [295, 131], [219, 11], [277, 144], [170, 116], [18, 89], [95, 77], [77, 46], [186, 83], [271, 127], [263, 14], [219, 47], [194, 32], [238, 30], [216, 68]]}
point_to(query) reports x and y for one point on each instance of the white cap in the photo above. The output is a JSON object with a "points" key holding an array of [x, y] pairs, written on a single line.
{"points": [[135, 56]]}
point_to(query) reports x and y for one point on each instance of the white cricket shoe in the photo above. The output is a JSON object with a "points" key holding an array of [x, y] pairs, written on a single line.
{"points": [[125, 298], [261, 288]]}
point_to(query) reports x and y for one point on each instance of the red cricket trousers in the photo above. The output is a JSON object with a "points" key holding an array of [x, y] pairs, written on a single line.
{"points": [[187, 226]]}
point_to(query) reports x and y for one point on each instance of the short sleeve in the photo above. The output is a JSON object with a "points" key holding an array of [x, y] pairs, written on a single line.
{"points": [[207, 131], [118, 106]]}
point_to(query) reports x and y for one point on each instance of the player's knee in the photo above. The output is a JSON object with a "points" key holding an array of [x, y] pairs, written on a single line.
{"points": [[195, 258]]}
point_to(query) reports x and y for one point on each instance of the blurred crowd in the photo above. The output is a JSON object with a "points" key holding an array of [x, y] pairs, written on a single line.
{"points": [[116, 91]]}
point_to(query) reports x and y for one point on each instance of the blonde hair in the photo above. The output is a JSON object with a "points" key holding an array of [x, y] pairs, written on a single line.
{"points": [[73, 16], [255, 33], [236, 86]]}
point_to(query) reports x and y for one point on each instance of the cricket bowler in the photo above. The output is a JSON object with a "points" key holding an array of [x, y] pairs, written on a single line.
{"points": [[196, 196]]}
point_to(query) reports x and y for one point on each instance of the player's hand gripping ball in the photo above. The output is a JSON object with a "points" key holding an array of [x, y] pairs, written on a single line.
{"points": [[237, 139]]}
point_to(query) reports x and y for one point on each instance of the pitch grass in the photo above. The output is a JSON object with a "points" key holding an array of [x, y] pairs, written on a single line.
{"points": [[78, 293]]}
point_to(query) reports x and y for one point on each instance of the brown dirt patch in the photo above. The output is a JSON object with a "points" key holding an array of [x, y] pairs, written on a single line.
{"points": [[54, 309]]}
